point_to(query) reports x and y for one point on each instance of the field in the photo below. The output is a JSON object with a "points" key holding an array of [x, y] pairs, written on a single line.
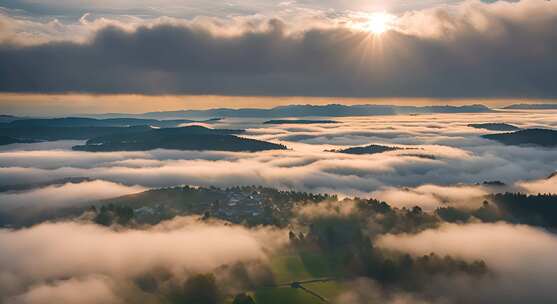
{"points": [[290, 267]]}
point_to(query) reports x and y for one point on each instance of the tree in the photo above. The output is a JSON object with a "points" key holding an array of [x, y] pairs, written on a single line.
{"points": [[199, 289], [243, 298]]}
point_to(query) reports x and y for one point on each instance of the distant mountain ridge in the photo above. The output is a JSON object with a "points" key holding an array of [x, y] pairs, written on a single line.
{"points": [[7, 118], [29, 134], [7, 140], [25, 130], [94, 122], [171, 118], [532, 106], [330, 110]]}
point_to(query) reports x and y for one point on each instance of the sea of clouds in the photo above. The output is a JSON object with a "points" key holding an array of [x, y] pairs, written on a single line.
{"points": [[520, 257], [71, 262], [445, 163]]}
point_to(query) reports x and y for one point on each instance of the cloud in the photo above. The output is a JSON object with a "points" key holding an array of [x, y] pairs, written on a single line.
{"points": [[62, 196], [56, 158], [70, 291], [444, 152], [192, 8], [362, 291], [521, 257], [546, 185], [54, 261], [326, 209], [431, 197], [175, 57]]}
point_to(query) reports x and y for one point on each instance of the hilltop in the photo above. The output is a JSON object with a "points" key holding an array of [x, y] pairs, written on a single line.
{"points": [[93, 122], [6, 140], [370, 149], [185, 138], [493, 126], [539, 137], [298, 121]]}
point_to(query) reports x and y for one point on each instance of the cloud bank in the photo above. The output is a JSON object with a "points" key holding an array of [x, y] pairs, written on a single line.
{"points": [[430, 197], [521, 257], [546, 185], [470, 50], [59, 261], [65, 195], [444, 153]]}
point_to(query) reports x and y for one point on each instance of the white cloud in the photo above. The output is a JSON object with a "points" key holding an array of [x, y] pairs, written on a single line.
{"points": [[64, 195], [430, 197], [545, 185], [460, 158], [54, 260], [521, 258], [70, 291]]}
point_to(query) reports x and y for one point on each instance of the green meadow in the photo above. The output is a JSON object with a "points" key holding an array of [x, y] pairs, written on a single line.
{"points": [[290, 267]]}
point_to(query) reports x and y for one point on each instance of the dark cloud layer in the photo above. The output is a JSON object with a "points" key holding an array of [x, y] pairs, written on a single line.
{"points": [[479, 51]]}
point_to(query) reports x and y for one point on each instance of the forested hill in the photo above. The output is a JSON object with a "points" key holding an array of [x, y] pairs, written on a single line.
{"points": [[495, 126], [538, 137], [185, 138]]}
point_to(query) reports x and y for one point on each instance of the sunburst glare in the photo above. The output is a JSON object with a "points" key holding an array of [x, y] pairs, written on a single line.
{"points": [[378, 23]]}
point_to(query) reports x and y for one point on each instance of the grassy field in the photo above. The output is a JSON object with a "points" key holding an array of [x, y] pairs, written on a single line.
{"points": [[296, 267]]}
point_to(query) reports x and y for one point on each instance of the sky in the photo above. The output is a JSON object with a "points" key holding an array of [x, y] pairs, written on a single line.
{"points": [[103, 56]]}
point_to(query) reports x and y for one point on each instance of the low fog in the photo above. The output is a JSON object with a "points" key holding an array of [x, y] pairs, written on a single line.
{"points": [[441, 162], [64, 195], [55, 261], [521, 257]]}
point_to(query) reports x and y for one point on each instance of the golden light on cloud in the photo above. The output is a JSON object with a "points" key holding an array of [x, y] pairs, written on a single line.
{"points": [[378, 23]]}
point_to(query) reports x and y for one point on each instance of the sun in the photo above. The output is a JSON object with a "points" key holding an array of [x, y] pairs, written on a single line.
{"points": [[378, 23]]}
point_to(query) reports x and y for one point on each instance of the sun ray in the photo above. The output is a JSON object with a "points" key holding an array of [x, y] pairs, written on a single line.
{"points": [[378, 23]]}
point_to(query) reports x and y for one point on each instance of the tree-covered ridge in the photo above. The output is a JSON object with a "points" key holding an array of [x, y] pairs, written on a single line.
{"points": [[538, 137], [103, 137], [332, 242], [493, 126], [298, 121], [256, 205], [369, 149], [185, 138], [532, 106], [56, 182], [345, 246], [537, 210], [93, 122], [328, 237], [249, 205], [65, 133], [329, 110], [7, 140]]}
